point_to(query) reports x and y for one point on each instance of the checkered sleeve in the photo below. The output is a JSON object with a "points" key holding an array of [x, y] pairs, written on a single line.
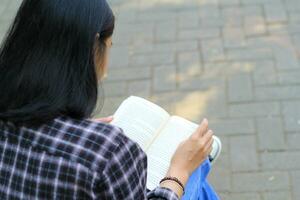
{"points": [[124, 177], [162, 193]]}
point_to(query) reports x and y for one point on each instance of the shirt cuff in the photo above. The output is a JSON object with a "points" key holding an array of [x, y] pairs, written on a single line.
{"points": [[162, 192]]}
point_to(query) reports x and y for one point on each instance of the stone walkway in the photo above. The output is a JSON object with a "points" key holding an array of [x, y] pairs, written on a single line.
{"points": [[235, 62]]}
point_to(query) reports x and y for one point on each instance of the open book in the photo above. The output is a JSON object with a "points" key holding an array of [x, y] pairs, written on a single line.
{"points": [[155, 131]]}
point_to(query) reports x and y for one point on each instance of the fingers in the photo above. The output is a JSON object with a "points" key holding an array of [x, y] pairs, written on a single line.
{"points": [[209, 151], [208, 137], [208, 146], [202, 128], [206, 141], [105, 119]]}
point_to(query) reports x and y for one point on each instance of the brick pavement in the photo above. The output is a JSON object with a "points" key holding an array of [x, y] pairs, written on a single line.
{"points": [[235, 62]]}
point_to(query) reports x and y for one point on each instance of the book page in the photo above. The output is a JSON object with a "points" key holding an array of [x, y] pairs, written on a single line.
{"points": [[162, 149], [140, 120]]}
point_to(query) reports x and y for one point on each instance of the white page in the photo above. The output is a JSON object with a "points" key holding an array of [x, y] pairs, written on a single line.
{"points": [[162, 149], [140, 119]]}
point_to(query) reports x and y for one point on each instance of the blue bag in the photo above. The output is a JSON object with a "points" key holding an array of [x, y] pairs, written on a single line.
{"points": [[197, 187]]}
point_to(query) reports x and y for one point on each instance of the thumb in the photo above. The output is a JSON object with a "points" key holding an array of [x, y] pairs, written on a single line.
{"points": [[105, 119]]}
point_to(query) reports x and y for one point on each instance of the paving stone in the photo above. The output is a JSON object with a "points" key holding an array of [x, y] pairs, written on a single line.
{"points": [[265, 73], [229, 2], [294, 16], [257, 2], [291, 114], [119, 56], [260, 181], [217, 22], [212, 69], [2, 35], [110, 106], [153, 15], [223, 184], [233, 37], [176, 46], [254, 26], [121, 74], [296, 42], [8, 14], [140, 88], [266, 41], [201, 82], [124, 37], [166, 31], [288, 160], [190, 13], [292, 5], [245, 196], [233, 126], [142, 60], [167, 100], [295, 175], [189, 63], [143, 36], [4, 26], [203, 104], [293, 141], [212, 49], [224, 138], [199, 33], [254, 10], [286, 58], [240, 88], [250, 2], [243, 152], [216, 104], [277, 195], [275, 13], [224, 195], [232, 15], [115, 88], [270, 134], [249, 54], [277, 92], [188, 19], [281, 49], [228, 69], [130, 33], [3, 6], [254, 109], [289, 77], [128, 15], [278, 28], [166, 48], [209, 11], [164, 78]]}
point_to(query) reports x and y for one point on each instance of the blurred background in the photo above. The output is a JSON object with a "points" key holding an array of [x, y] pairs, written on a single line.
{"points": [[235, 62]]}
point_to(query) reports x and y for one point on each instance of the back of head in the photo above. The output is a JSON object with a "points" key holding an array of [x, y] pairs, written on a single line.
{"points": [[46, 60]]}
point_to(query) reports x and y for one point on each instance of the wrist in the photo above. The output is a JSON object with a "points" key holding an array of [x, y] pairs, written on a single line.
{"points": [[172, 186], [181, 175]]}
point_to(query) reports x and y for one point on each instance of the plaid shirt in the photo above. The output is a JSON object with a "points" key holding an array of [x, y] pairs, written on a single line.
{"points": [[72, 159]]}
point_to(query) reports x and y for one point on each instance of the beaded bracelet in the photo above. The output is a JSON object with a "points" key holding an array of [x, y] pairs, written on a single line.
{"points": [[173, 179]]}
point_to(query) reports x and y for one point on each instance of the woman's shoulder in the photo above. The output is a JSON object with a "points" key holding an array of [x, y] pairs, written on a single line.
{"points": [[93, 131], [95, 141]]}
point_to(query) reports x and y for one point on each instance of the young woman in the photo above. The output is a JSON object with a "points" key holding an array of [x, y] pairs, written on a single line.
{"points": [[52, 60]]}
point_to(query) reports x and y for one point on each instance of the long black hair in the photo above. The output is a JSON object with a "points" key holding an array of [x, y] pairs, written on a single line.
{"points": [[47, 60]]}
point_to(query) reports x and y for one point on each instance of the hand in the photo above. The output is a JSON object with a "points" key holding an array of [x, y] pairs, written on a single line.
{"points": [[189, 155], [104, 119]]}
